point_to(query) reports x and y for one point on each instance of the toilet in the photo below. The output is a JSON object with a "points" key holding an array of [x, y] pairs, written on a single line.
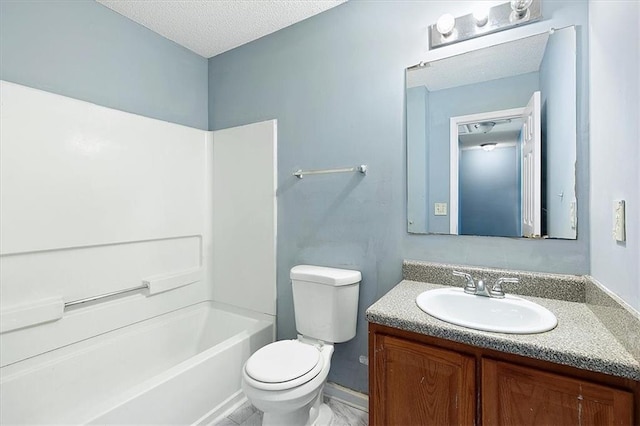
{"points": [[285, 379]]}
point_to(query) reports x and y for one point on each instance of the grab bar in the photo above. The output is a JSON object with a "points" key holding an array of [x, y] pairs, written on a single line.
{"points": [[300, 173], [103, 296], [155, 285], [52, 308]]}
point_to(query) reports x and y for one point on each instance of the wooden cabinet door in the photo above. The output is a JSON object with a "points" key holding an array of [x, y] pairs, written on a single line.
{"points": [[515, 395], [415, 384]]}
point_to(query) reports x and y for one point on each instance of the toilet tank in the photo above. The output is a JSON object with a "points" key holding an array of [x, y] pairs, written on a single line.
{"points": [[325, 301]]}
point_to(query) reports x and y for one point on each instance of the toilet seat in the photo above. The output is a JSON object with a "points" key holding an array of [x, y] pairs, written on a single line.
{"points": [[283, 365]]}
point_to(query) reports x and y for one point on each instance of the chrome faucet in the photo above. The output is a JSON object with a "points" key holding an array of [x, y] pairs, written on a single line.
{"points": [[480, 289], [470, 286], [497, 291]]}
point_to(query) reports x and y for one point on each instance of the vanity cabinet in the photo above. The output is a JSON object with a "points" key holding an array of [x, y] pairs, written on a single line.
{"points": [[416, 379], [513, 394], [419, 385]]}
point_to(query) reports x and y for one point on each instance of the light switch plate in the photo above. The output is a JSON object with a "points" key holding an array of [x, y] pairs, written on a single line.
{"points": [[619, 221], [440, 209]]}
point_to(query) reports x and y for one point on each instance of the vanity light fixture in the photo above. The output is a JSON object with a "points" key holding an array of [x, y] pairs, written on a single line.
{"points": [[483, 20], [488, 146]]}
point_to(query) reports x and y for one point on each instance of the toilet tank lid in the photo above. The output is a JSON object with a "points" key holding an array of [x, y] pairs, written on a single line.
{"points": [[325, 275]]}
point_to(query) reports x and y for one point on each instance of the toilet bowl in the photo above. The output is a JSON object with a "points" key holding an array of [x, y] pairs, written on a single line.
{"points": [[286, 394], [285, 379]]}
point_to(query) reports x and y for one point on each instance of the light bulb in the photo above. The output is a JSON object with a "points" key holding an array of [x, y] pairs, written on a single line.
{"points": [[488, 146], [445, 24], [481, 15], [520, 7]]}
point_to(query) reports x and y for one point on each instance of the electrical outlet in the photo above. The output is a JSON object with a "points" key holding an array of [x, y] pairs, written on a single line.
{"points": [[440, 209], [619, 221]]}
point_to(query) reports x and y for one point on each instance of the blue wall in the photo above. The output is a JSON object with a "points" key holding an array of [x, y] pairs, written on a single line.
{"points": [[558, 93], [490, 192], [336, 84], [86, 51], [614, 149], [417, 159]]}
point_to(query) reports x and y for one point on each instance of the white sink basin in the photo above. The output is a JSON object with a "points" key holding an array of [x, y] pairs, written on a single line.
{"points": [[509, 315]]}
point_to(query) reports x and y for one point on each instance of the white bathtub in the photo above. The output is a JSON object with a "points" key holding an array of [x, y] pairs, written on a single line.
{"points": [[183, 367]]}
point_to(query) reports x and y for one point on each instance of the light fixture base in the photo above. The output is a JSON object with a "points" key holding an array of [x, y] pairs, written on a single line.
{"points": [[500, 18]]}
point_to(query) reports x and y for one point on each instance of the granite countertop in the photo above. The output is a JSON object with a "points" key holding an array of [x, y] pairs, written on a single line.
{"points": [[580, 339]]}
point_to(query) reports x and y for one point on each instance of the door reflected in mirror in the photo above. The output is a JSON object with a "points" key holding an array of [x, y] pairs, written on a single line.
{"points": [[491, 140]]}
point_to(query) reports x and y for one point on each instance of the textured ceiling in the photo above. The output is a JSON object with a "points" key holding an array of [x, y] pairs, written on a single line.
{"points": [[501, 60], [210, 27]]}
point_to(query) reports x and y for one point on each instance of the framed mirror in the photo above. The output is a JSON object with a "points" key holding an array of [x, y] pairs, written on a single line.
{"points": [[491, 140]]}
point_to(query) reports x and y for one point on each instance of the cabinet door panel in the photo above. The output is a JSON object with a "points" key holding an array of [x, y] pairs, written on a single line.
{"points": [[515, 395], [416, 384]]}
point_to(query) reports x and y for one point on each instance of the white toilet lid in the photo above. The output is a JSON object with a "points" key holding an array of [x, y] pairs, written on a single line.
{"points": [[282, 361]]}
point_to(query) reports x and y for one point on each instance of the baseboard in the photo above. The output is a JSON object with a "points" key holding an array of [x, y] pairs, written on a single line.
{"points": [[347, 396]]}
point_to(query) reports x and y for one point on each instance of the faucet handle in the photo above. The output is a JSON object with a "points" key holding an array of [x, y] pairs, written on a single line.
{"points": [[470, 286], [497, 291]]}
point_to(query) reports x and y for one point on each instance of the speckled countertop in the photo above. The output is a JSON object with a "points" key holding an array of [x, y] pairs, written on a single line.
{"points": [[580, 339]]}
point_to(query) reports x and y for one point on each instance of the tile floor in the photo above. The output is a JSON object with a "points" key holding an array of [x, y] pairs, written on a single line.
{"points": [[343, 415]]}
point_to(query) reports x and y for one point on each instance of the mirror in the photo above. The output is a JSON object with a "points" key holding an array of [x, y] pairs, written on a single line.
{"points": [[491, 140]]}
